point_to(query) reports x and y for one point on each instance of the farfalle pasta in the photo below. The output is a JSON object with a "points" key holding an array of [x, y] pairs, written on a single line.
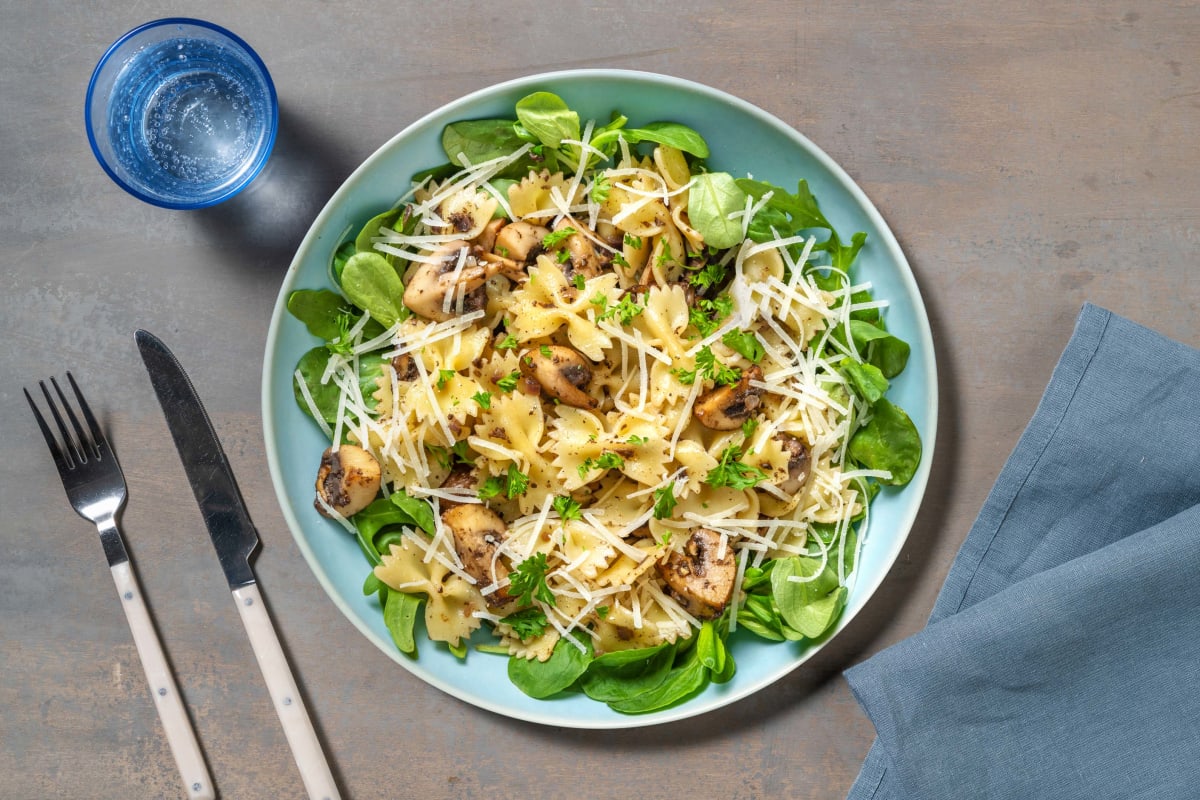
{"points": [[609, 395]]}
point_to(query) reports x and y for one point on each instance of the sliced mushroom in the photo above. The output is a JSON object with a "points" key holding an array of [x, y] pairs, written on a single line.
{"points": [[406, 367], [427, 289], [563, 373], [461, 477], [519, 240], [477, 532], [584, 259], [798, 463], [727, 407], [486, 241], [702, 582], [347, 480]]}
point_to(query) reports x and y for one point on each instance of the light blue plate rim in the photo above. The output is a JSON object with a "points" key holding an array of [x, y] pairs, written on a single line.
{"points": [[882, 262]]}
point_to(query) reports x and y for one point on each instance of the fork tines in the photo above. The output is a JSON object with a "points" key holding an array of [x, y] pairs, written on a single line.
{"points": [[73, 451]]}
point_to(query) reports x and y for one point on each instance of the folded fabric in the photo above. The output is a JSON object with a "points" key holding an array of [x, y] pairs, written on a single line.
{"points": [[1062, 657]]}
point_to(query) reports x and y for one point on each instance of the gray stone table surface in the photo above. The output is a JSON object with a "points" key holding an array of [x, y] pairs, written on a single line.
{"points": [[1029, 156]]}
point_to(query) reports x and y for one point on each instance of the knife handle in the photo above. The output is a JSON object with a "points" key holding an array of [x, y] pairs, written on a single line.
{"points": [[171, 711], [297, 727]]}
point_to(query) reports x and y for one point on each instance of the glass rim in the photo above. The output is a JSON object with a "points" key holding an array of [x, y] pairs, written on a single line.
{"points": [[265, 150]]}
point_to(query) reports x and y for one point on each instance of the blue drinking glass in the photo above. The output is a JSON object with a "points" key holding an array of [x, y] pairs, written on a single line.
{"points": [[181, 113]]}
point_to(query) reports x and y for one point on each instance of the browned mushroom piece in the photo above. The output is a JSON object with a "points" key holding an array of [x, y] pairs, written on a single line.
{"points": [[727, 407], [461, 477], [477, 532], [583, 257], [519, 241], [486, 240], [799, 460], [347, 480], [427, 289], [406, 367], [563, 374], [702, 582]]}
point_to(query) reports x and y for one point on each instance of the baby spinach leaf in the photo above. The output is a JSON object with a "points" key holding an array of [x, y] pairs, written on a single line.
{"points": [[400, 615], [325, 396], [881, 348], [479, 140], [811, 606], [712, 198], [541, 679], [340, 257], [362, 242], [682, 681], [547, 118], [672, 134], [371, 283], [888, 441], [622, 674], [418, 511], [866, 379], [319, 310]]}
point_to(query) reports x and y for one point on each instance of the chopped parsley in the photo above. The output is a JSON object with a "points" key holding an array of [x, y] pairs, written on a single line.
{"points": [[733, 473], [562, 256], [545, 351], [748, 427], [607, 460], [602, 611], [708, 276], [579, 281], [709, 368], [567, 508], [624, 311], [507, 343], [636, 440], [620, 261], [746, 343], [664, 501], [444, 376], [509, 381], [512, 484], [528, 581], [632, 241], [528, 623], [707, 315], [484, 399], [555, 238], [600, 189]]}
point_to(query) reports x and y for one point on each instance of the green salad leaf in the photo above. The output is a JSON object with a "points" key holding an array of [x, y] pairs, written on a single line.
{"points": [[541, 679], [889, 441], [371, 283], [714, 196]]}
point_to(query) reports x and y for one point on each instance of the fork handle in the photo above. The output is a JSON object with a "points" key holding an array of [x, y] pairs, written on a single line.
{"points": [[289, 706], [171, 711]]}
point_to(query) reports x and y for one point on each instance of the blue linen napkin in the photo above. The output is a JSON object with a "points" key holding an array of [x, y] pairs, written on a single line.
{"points": [[1062, 657]]}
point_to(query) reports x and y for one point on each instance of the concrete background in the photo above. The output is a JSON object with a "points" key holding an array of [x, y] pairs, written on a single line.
{"points": [[1029, 156]]}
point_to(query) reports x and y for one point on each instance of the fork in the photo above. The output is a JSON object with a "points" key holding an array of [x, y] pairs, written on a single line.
{"points": [[96, 489]]}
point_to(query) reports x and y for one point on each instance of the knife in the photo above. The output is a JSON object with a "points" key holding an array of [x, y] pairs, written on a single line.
{"points": [[234, 537]]}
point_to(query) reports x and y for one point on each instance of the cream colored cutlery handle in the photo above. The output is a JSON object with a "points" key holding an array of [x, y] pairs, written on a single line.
{"points": [[171, 711], [306, 749]]}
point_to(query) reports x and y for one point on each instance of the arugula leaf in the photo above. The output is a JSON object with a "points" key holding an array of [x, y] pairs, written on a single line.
{"points": [[527, 581], [711, 200], [746, 343], [664, 501], [889, 441], [733, 473]]}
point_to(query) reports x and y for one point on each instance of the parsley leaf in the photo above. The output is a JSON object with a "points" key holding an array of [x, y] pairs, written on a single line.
{"points": [[709, 368], [664, 501], [511, 485], [528, 623], [567, 508], [748, 427], [607, 460], [507, 343], [528, 581], [444, 375], [707, 315], [620, 261], [636, 440], [555, 238], [602, 611], [493, 486], [632, 241], [509, 381], [733, 473], [484, 399], [600, 189], [545, 351], [746, 343], [708, 276], [579, 281], [624, 311]]}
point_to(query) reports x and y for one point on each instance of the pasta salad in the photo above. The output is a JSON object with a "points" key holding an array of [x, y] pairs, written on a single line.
{"points": [[611, 405]]}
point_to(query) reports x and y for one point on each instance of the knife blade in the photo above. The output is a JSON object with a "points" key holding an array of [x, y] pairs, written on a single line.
{"points": [[234, 538]]}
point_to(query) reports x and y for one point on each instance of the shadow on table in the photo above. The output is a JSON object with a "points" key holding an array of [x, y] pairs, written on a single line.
{"points": [[264, 224]]}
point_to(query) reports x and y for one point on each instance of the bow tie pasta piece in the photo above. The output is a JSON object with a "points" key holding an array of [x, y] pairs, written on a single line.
{"points": [[451, 600]]}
